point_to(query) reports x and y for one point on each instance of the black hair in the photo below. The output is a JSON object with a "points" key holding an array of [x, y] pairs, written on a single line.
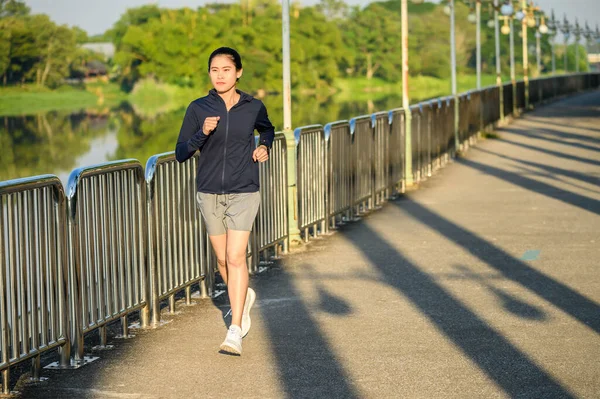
{"points": [[228, 51]]}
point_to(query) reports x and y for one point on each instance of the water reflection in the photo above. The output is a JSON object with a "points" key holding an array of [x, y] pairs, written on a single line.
{"points": [[58, 142]]}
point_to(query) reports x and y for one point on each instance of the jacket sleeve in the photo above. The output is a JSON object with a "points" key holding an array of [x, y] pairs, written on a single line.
{"points": [[191, 138], [264, 127]]}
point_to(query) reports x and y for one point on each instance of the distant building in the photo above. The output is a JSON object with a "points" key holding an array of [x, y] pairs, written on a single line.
{"points": [[106, 49], [95, 68]]}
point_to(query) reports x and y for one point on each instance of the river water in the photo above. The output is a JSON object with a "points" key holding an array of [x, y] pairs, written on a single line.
{"points": [[59, 141]]}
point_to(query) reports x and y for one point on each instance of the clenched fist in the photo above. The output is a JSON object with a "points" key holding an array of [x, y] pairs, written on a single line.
{"points": [[261, 154], [210, 124]]}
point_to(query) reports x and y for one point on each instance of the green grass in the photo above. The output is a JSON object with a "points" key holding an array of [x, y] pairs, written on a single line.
{"points": [[420, 87], [150, 98], [32, 99]]}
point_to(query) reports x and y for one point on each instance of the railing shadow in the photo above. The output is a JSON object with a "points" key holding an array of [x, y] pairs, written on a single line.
{"points": [[509, 302], [552, 170], [550, 152], [485, 346], [538, 136], [580, 201], [306, 363], [562, 134], [563, 297]]}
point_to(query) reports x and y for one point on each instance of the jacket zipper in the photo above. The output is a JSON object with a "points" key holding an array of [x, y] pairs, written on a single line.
{"points": [[225, 155]]}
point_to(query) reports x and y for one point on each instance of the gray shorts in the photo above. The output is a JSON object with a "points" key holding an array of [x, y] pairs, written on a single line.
{"points": [[222, 212]]}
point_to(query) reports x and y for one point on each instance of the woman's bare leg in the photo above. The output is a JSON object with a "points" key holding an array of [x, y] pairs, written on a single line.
{"points": [[237, 272], [219, 244]]}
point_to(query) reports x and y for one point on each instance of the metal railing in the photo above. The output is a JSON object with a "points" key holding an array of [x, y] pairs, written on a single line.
{"points": [[425, 141], [271, 224], [179, 250], [361, 129], [415, 140], [121, 241], [396, 154], [339, 170], [490, 106], [437, 142], [380, 157], [311, 179], [33, 276], [106, 238]]}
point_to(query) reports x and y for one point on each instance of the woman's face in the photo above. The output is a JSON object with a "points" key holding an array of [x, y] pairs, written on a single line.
{"points": [[223, 74]]}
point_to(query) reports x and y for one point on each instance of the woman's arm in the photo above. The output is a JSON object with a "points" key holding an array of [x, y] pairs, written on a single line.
{"points": [[264, 127], [191, 137]]}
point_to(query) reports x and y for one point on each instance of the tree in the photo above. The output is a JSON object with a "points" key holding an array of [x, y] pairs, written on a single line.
{"points": [[372, 35], [13, 8]]}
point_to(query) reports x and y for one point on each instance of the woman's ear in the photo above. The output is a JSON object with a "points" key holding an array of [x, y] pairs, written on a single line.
{"points": [[239, 73]]}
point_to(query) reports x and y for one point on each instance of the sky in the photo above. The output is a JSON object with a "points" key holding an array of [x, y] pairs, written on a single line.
{"points": [[97, 16]]}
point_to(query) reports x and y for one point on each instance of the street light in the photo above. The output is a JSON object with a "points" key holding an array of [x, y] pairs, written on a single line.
{"points": [[449, 10], [565, 29], [553, 26], [493, 23], [408, 175], [508, 14], [588, 33], [542, 30], [476, 19], [577, 32], [527, 17]]}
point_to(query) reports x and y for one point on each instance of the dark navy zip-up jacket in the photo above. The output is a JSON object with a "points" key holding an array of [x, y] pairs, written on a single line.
{"points": [[225, 165]]}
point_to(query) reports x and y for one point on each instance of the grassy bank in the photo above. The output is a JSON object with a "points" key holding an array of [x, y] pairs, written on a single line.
{"points": [[150, 98], [32, 99], [420, 87]]}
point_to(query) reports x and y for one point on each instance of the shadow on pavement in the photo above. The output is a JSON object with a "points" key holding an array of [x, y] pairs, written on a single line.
{"points": [[509, 302], [581, 201], [550, 152], [552, 171], [542, 136], [306, 363], [563, 297], [511, 369], [561, 134]]}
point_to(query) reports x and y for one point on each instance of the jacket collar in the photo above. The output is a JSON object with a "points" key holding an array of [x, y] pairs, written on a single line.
{"points": [[244, 97]]}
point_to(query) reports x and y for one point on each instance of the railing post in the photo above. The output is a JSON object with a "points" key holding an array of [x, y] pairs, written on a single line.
{"points": [[74, 278], [153, 302], [294, 233], [4, 339], [408, 176]]}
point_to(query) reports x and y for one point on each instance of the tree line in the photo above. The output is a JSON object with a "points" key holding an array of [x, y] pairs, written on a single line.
{"points": [[329, 40], [34, 49]]}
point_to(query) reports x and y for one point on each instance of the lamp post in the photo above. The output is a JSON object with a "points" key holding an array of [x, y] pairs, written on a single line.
{"points": [[542, 30], [453, 62], [589, 35], [577, 32], [476, 19], [498, 64], [565, 29], [293, 231], [552, 26], [408, 175], [527, 17], [449, 9], [507, 10]]}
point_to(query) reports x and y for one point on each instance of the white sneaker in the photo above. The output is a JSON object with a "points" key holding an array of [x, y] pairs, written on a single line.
{"points": [[233, 341], [246, 322]]}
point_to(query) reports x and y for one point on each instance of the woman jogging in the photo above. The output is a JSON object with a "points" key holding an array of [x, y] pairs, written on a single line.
{"points": [[221, 126]]}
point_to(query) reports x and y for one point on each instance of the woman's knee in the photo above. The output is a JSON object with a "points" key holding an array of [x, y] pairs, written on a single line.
{"points": [[236, 260], [221, 262]]}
